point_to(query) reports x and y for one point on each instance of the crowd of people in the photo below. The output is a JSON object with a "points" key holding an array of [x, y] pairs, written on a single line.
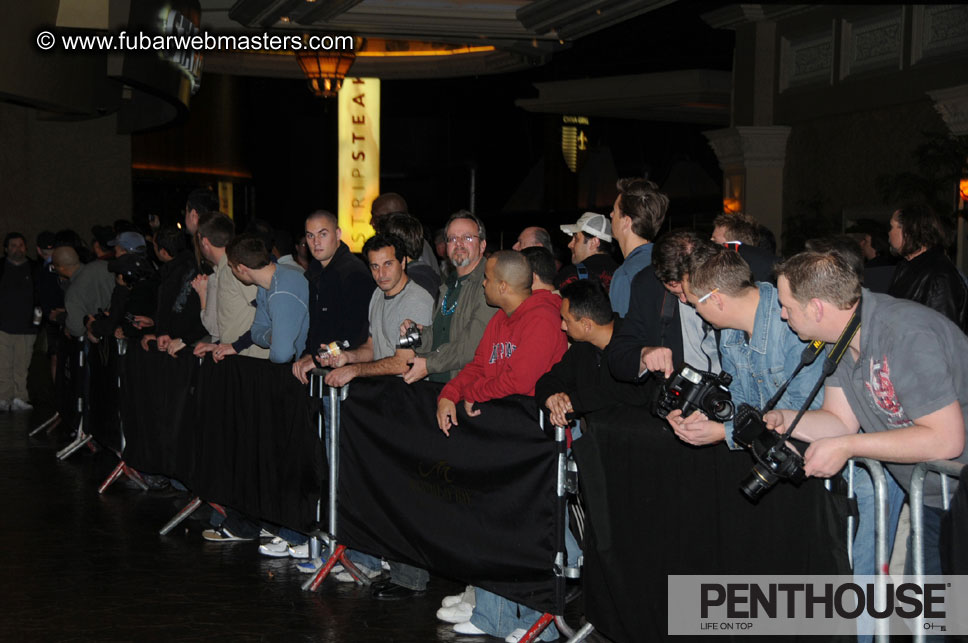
{"points": [[607, 329]]}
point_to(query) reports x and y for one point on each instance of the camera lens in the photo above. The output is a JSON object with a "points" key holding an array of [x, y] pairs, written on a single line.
{"points": [[758, 482], [722, 410]]}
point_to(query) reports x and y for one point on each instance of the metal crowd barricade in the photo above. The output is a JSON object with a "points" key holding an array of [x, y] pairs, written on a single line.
{"points": [[122, 468], [337, 552], [567, 483], [81, 384], [945, 468]]}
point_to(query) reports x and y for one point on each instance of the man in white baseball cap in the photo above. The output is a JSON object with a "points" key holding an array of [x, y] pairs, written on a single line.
{"points": [[591, 247]]}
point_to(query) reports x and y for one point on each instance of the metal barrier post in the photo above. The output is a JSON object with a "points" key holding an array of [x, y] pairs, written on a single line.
{"points": [[337, 551], [916, 501], [122, 468], [81, 438]]}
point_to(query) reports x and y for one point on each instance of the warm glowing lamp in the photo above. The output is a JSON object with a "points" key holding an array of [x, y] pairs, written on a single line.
{"points": [[325, 70], [732, 206], [963, 189]]}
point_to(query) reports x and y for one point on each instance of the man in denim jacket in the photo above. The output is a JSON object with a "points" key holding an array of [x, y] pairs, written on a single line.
{"points": [[756, 346]]}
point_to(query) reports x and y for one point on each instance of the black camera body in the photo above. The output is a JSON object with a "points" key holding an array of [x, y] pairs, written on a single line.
{"points": [[690, 389], [774, 459], [412, 338]]}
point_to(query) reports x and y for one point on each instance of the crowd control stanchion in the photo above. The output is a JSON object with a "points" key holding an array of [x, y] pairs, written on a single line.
{"points": [[945, 468], [49, 424], [122, 468], [567, 483], [81, 390], [882, 557], [337, 552]]}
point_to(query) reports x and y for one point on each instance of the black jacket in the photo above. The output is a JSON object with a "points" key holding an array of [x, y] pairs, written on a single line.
{"points": [[933, 280], [339, 301], [652, 320], [179, 308], [760, 261], [584, 375]]}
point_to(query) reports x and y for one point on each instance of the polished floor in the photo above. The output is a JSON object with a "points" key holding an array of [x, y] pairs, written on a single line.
{"points": [[78, 566]]}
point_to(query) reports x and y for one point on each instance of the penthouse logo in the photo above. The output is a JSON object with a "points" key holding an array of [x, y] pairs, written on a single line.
{"points": [[820, 605], [847, 600]]}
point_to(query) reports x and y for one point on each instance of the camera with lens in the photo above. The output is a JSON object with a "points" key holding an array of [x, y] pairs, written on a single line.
{"points": [[690, 389], [410, 339], [332, 349], [774, 459]]}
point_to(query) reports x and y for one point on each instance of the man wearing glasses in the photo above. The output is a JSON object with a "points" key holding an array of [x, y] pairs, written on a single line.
{"points": [[460, 313]]}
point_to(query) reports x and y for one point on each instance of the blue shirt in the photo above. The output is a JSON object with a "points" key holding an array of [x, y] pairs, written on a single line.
{"points": [[282, 315], [621, 288], [762, 364]]}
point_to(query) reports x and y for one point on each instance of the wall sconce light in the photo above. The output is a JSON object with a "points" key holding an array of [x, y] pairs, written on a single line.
{"points": [[963, 189]]}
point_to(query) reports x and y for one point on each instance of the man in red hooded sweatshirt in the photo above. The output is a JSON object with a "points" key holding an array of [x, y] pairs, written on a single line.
{"points": [[521, 343]]}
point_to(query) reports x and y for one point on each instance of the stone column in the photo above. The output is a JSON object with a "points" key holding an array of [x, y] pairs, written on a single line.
{"points": [[752, 160]]}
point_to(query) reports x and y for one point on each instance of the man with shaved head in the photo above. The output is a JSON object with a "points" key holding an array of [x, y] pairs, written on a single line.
{"points": [[521, 343], [88, 290]]}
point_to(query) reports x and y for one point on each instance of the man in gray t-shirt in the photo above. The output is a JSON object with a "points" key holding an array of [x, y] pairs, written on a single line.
{"points": [[395, 300], [904, 379]]}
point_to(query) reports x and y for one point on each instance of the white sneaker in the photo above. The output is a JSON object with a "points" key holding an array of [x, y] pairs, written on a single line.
{"points": [[516, 635], [468, 628], [467, 596], [266, 534], [298, 551], [459, 613], [276, 548], [19, 405], [4, 406], [345, 577]]}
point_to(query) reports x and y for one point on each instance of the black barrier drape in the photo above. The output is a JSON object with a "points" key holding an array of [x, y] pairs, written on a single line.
{"points": [[256, 445], [156, 396], [657, 507], [477, 506], [102, 395]]}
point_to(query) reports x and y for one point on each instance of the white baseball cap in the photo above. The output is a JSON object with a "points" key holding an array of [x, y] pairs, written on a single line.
{"points": [[591, 223]]}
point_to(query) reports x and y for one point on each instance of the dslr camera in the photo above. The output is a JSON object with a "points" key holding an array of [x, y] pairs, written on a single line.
{"points": [[774, 459], [690, 389], [410, 339]]}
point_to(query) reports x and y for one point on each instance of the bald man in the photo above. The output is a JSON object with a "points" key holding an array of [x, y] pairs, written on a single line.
{"points": [[88, 288], [392, 203], [521, 343]]}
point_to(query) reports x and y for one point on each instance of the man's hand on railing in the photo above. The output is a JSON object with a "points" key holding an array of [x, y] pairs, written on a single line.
{"points": [[826, 457], [145, 340], [202, 348], [222, 351], [342, 376], [163, 341], [302, 367], [175, 345], [559, 406], [418, 370]]}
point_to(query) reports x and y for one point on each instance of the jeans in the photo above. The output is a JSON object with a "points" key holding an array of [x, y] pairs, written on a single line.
{"points": [[499, 617], [931, 535], [409, 576]]}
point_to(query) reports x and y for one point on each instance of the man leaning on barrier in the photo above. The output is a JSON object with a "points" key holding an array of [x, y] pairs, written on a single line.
{"points": [[756, 347], [904, 379], [521, 343]]}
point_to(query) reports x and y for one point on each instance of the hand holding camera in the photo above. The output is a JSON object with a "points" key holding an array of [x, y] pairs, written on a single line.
{"points": [[332, 354]]}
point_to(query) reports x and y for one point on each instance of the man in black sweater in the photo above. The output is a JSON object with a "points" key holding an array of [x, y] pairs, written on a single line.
{"points": [[340, 287], [581, 382]]}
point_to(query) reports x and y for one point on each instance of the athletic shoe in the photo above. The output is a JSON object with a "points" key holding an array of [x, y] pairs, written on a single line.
{"points": [[459, 613], [222, 535], [266, 534], [312, 566], [19, 405], [276, 548], [467, 596], [345, 577], [468, 628], [4, 406], [298, 551], [516, 635]]}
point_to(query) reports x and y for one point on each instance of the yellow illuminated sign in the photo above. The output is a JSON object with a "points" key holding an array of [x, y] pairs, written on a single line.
{"points": [[359, 157]]}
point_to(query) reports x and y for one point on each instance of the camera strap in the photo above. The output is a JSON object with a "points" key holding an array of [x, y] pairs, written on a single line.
{"points": [[829, 366]]}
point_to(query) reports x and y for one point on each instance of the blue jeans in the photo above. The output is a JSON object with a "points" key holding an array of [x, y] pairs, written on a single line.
{"points": [[931, 536], [499, 617], [409, 576]]}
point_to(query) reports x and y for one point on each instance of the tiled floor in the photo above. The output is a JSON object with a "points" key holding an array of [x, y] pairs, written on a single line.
{"points": [[82, 567]]}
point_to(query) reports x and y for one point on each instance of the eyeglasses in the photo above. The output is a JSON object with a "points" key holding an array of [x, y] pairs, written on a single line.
{"points": [[466, 238], [707, 295]]}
